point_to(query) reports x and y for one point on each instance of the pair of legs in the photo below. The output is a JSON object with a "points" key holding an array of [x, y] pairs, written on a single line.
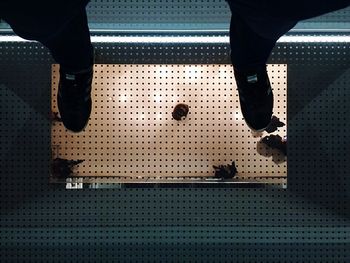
{"points": [[255, 27]]}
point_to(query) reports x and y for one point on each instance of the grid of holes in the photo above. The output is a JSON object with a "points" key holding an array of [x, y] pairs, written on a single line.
{"points": [[158, 11], [182, 14], [131, 133], [314, 204], [169, 53]]}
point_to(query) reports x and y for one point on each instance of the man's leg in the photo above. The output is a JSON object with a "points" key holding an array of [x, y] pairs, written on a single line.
{"points": [[249, 51], [255, 27], [70, 45], [71, 48], [249, 54]]}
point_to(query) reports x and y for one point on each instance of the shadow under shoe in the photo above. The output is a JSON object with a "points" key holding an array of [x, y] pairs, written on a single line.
{"points": [[256, 98], [74, 99]]}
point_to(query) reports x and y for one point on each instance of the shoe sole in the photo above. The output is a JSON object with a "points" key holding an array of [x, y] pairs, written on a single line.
{"points": [[254, 130]]}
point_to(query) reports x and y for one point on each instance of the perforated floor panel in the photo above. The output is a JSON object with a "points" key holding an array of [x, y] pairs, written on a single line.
{"points": [[307, 222], [132, 136]]}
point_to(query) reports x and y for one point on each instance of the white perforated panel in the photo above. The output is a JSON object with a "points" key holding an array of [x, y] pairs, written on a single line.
{"points": [[132, 137]]}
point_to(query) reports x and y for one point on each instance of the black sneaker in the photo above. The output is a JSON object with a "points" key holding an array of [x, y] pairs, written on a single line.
{"points": [[74, 99], [256, 98]]}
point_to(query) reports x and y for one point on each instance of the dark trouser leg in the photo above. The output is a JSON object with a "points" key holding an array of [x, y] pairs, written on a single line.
{"points": [[298, 10], [249, 54], [256, 25], [71, 47], [249, 51]]}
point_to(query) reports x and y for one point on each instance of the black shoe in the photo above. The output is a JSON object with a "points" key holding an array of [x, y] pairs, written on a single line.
{"points": [[74, 99], [256, 98]]}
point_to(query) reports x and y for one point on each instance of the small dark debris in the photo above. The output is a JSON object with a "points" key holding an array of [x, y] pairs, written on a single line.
{"points": [[225, 171], [54, 117], [180, 111], [274, 125], [63, 168], [276, 142]]}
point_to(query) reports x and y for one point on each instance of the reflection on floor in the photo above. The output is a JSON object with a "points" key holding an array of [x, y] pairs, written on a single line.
{"points": [[133, 134]]}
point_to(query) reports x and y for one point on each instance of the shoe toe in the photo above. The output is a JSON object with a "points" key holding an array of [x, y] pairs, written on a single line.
{"points": [[75, 119], [258, 118]]}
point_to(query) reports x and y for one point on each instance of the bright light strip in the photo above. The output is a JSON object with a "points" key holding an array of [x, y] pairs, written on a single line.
{"points": [[165, 39], [314, 39], [193, 39]]}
